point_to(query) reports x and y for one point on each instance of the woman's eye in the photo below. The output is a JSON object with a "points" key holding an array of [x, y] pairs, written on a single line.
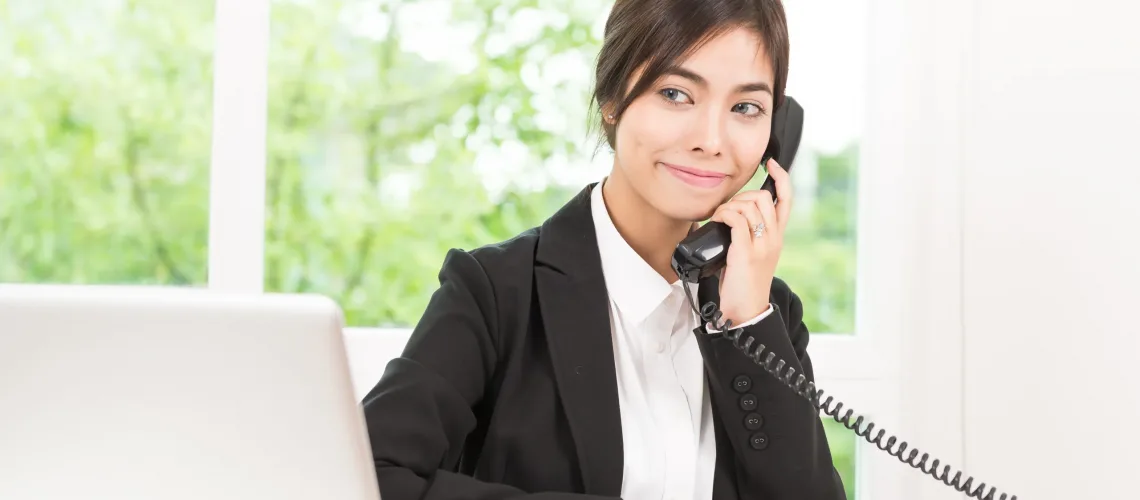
{"points": [[748, 108], [675, 96]]}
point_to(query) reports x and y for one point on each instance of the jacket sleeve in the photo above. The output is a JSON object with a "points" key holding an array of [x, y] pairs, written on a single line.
{"points": [[420, 412], [779, 441], [823, 481], [799, 336]]}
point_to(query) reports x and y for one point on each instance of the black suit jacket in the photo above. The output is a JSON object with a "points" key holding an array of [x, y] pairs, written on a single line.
{"points": [[507, 386]]}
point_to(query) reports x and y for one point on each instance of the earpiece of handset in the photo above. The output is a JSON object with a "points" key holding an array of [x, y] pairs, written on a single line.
{"points": [[787, 129]]}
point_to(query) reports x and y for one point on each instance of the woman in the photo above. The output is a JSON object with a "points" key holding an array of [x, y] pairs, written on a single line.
{"points": [[563, 361]]}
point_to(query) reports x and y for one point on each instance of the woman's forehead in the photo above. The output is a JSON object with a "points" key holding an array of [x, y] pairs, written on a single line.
{"points": [[731, 58]]}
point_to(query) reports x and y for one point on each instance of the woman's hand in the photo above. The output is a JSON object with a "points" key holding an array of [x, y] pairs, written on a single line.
{"points": [[752, 259]]}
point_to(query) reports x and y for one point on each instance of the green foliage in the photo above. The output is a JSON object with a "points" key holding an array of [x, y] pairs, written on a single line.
{"points": [[842, 442], [384, 151], [105, 141], [373, 146]]}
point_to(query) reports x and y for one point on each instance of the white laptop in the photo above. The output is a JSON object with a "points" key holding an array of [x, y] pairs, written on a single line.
{"points": [[132, 393]]}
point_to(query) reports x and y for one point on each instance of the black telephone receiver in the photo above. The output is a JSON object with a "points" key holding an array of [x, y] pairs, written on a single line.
{"points": [[702, 255]]}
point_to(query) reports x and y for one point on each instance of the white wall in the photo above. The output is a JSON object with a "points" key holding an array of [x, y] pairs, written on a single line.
{"points": [[1051, 260], [1026, 316]]}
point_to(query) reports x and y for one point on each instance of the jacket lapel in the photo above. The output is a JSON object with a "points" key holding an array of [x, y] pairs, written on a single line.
{"points": [[575, 316]]}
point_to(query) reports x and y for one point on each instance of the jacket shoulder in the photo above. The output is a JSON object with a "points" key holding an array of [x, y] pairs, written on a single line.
{"points": [[509, 257], [504, 272], [786, 299], [490, 272], [781, 292]]}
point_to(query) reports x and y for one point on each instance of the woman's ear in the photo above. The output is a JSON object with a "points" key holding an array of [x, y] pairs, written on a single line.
{"points": [[608, 113]]}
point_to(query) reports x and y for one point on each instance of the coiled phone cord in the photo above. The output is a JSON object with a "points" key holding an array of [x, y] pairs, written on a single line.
{"points": [[711, 314]]}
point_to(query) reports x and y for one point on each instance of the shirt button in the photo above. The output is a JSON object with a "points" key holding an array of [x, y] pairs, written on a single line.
{"points": [[748, 402], [660, 347]]}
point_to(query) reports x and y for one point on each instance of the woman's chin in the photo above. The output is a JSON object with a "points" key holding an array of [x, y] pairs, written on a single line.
{"points": [[690, 213], [684, 206]]}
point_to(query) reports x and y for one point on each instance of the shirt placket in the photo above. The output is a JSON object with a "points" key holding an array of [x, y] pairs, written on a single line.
{"points": [[669, 401]]}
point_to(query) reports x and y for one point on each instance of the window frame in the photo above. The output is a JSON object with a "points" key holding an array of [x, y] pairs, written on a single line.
{"points": [[236, 258]]}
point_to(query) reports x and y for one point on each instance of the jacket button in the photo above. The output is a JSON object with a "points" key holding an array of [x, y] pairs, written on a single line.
{"points": [[748, 402], [742, 383], [758, 441], [753, 421]]}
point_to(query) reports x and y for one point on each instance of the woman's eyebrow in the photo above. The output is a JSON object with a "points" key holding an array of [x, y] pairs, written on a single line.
{"points": [[703, 82]]}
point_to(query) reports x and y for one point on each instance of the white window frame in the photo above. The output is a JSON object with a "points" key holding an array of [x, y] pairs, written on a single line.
{"points": [[904, 284], [236, 261]]}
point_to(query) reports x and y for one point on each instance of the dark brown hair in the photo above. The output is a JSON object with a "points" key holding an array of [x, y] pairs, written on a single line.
{"points": [[655, 34]]}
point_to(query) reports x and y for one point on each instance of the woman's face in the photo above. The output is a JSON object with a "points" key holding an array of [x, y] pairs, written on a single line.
{"points": [[696, 137]]}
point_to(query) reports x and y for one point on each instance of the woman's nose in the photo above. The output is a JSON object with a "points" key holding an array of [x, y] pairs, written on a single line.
{"points": [[707, 131]]}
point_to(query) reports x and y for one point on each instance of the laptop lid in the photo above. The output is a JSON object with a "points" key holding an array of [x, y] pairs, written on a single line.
{"points": [[162, 393]]}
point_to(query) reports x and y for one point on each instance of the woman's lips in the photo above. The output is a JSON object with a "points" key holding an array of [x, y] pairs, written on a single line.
{"points": [[695, 176]]}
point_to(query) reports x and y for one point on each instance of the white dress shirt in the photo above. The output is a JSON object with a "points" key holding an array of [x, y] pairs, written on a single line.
{"points": [[666, 416]]}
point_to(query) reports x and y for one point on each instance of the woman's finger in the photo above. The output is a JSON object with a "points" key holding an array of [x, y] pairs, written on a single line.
{"points": [[762, 200], [784, 194], [748, 209], [741, 231], [755, 196], [768, 213]]}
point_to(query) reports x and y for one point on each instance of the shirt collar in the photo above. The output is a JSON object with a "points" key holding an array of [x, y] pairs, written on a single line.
{"points": [[632, 284]]}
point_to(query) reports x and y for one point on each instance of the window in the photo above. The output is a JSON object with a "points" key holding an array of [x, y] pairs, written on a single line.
{"points": [[828, 79], [105, 141]]}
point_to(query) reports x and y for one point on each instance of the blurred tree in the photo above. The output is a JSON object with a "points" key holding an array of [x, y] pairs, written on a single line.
{"points": [[105, 141]]}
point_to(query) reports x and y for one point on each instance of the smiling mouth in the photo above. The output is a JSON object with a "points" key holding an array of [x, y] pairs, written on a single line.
{"points": [[694, 176]]}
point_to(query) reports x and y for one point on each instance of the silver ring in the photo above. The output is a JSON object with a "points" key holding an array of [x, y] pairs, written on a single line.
{"points": [[758, 231]]}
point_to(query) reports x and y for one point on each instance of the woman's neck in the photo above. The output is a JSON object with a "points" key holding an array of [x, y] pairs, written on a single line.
{"points": [[650, 233]]}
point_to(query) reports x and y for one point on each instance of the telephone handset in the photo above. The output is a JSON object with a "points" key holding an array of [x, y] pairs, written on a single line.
{"points": [[702, 255]]}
